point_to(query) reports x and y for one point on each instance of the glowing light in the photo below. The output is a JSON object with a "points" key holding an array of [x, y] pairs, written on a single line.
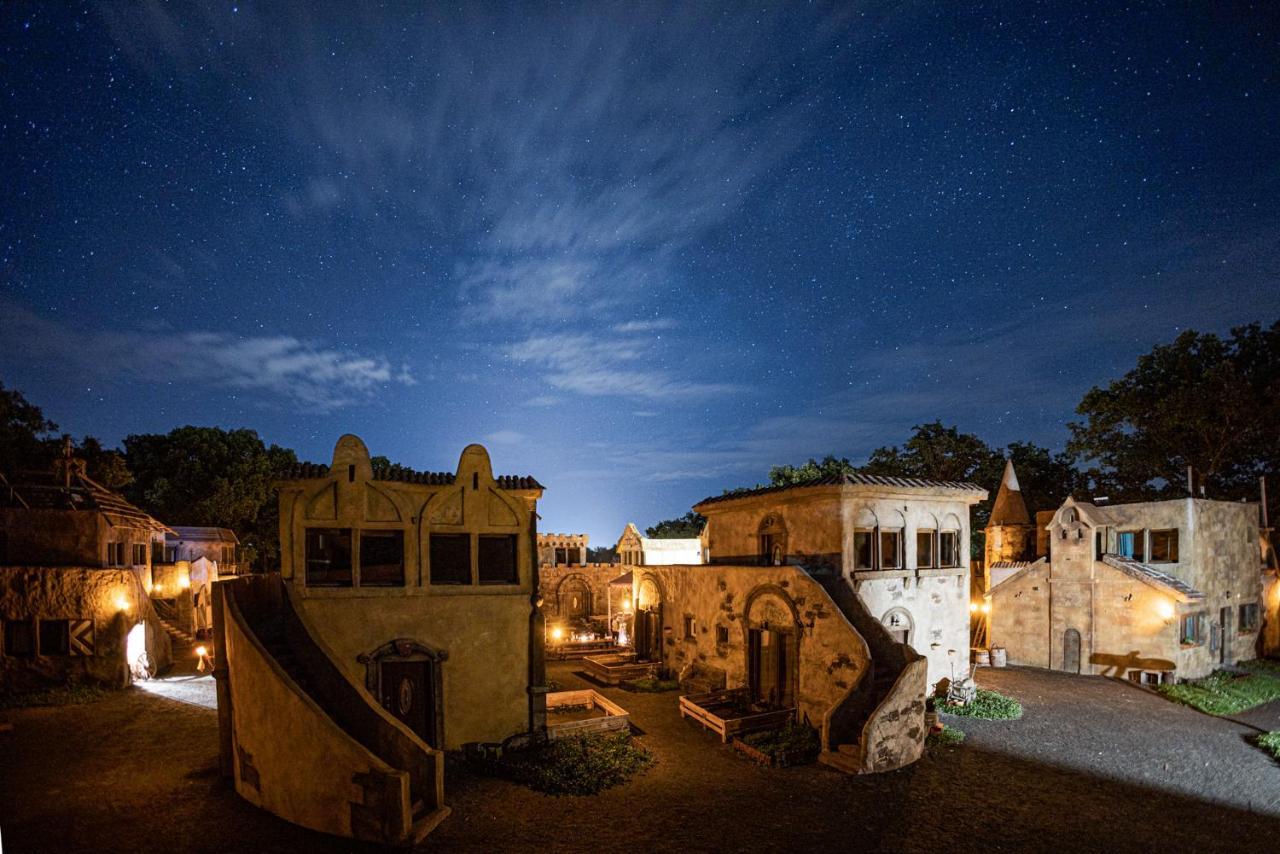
{"points": [[986, 607], [122, 603], [184, 581], [1165, 609], [973, 607], [202, 651], [626, 604], [557, 633]]}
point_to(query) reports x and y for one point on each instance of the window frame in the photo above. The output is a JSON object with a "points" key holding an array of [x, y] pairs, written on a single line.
{"points": [[1199, 621], [62, 631], [454, 536], [373, 533], [352, 539], [1254, 623], [514, 577], [11, 629], [868, 535], [1139, 550], [1174, 541], [930, 536], [896, 534], [956, 559]]}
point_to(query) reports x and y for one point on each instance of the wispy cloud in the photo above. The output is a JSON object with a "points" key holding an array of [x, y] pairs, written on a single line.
{"points": [[655, 325], [277, 366], [596, 366]]}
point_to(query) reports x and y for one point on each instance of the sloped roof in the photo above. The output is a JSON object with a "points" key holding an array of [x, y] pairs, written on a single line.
{"points": [[1009, 508], [849, 479], [202, 533], [50, 491], [623, 580], [1150, 575], [311, 471], [1022, 567]]}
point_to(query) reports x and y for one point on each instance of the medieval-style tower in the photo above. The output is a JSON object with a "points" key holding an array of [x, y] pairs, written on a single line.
{"points": [[1010, 533]]}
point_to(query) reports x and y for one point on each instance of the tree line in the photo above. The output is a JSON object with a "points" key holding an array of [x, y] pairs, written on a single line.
{"points": [[1201, 401]]}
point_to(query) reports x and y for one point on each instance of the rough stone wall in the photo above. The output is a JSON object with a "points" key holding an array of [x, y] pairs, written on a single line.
{"points": [[832, 655], [811, 518], [938, 608], [895, 732], [1225, 566], [487, 630], [112, 598], [1019, 618], [1009, 543], [290, 759], [54, 537], [596, 576]]}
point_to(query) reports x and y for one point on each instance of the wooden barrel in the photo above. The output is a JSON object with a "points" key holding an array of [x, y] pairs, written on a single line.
{"points": [[998, 657], [982, 658]]}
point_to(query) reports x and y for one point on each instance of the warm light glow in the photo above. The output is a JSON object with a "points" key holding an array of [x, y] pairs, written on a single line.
{"points": [[1165, 608], [557, 633], [986, 607], [202, 651], [626, 604], [184, 581], [973, 606], [122, 602]]}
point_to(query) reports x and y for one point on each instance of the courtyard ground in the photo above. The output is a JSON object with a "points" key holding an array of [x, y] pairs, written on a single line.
{"points": [[1093, 765]]}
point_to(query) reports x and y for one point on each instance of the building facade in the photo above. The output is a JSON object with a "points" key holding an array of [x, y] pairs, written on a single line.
{"points": [[900, 544], [635, 550], [1151, 591]]}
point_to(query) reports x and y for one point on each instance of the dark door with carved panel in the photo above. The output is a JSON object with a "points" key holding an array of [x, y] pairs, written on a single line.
{"points": [[406, 689]]}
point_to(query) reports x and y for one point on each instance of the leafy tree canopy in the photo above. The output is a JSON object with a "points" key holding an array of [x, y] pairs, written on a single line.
{"points": [[1201, 401], [687, 526], [30, 442]]}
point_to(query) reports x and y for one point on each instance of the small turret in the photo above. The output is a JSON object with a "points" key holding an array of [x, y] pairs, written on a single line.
{"points": [[1010, 534]]}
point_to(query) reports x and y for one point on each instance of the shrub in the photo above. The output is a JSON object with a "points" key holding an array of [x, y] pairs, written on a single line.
{"points": [[792, 736], [1223, 693], [650, 685], [583, 765], [1270, 742], [948, 736], [988, 705]]}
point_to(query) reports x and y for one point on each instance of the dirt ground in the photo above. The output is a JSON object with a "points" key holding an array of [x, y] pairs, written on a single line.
{"points": [[1094, 765]]}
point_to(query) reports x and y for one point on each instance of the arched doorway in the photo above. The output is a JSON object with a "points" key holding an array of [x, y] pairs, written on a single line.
{"points": [[1071, 651], [772, 540], [406, 677], [648, 622], [573, 598], [773, 647]]}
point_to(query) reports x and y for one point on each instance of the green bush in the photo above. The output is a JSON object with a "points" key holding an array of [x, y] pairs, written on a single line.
{"points": [[948, 736], [1270, 742], [988, 705], [792, 736], [1225, 694], [649, 685], [583, 765]]}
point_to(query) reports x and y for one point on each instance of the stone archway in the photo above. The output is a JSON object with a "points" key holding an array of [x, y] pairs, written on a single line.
{"points": [[406, 677], [771, 623], [898, 622], [771, 537], [647, 629], [573, 598]]}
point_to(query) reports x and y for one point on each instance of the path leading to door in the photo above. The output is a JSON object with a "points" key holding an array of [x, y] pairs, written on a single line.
{"points": [[1095, 766]]}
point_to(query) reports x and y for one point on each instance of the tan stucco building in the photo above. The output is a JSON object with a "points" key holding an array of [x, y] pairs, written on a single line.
{"points": [[404, 621], [900, 544], [1152, 591]]}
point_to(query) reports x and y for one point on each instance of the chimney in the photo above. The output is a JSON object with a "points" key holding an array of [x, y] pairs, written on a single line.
{"points": [[1191, 488]]}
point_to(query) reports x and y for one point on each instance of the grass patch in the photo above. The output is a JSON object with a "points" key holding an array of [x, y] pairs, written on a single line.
{"points": [[1270, 742], [948, 736], [584, 765], [1261, 667], [1224, 694], [649, 685], [988, 705], [792, 736], [69, 695]]}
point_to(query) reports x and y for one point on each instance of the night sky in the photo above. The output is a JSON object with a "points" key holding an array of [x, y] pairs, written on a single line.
{"points": [[640, 252]]}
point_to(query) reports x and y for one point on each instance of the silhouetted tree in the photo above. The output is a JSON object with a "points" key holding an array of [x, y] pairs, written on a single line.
{"points": [[687, 526]]}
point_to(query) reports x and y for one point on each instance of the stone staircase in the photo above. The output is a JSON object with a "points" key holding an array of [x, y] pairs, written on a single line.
{"points": [[167, 614], [890, 660]]}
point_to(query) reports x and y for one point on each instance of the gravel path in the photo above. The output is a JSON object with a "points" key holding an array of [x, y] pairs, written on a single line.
{"points": [[1093, 766]]}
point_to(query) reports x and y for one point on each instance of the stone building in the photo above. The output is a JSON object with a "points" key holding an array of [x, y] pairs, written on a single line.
{"points": [[900, 544], [635, 550], [217, 545], [1151, 591], [562, 549], [75, 568], [403, 622]]}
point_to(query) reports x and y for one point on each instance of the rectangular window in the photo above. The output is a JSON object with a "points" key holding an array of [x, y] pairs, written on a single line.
{"points": [[890, 549], [1130, 544], [1193, 628], [949, 548], [1164, 546], [862, 552], [722, 634], [139, 554], [690, 627], [328, 557], [115, 554], [382, 559], [55, 637], [450, 556], [562, 557], [498, 559], [1249, 617], [924, 549], [19, 640]]}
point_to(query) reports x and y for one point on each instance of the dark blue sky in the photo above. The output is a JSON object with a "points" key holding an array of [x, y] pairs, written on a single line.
{"points": [[641, 252]]}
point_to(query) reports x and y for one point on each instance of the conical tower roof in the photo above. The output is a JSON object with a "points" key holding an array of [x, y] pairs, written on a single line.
{"points": [[1009, 508]]}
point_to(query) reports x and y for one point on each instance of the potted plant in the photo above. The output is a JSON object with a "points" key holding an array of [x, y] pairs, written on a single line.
{"points": [[931, 714]]}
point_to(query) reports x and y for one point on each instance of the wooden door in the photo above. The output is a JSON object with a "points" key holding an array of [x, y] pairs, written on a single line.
{"points": [[407, 691], [1071, 651], [1224, 650]]}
